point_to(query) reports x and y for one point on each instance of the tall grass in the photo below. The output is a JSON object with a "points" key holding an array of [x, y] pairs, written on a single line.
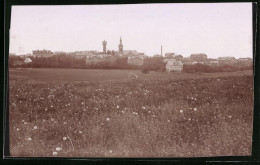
{"points": [[141, 118]]}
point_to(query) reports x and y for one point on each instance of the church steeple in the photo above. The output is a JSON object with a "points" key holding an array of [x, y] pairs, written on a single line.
{"points": [[120, 47]]}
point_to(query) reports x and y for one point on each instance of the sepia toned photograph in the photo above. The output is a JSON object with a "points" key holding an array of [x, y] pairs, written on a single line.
{"points": [[172, 80]]}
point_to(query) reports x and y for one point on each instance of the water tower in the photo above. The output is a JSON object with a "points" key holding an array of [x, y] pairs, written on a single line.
{"points": [[104, 46]]}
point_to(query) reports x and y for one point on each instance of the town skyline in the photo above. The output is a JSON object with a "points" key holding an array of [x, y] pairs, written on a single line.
{"points": [[178, 28]]}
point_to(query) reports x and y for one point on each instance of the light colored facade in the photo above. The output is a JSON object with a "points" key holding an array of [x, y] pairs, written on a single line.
{"points": [[173, 65], [169, 55], [214, 62], [229, 60], [130, 53], [100, 58], [42, 53], [84, 54], [245, 59], [135, 60], [27, 60], [198, 57]]}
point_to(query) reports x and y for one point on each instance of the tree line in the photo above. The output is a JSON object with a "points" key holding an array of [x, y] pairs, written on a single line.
{"points": [[149, 64]]}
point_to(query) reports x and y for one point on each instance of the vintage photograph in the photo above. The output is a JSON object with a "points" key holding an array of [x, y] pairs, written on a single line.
{"points": [[131, 81]]}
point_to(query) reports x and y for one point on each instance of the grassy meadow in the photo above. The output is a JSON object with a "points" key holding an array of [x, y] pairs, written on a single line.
{"points": [[101, 113]]}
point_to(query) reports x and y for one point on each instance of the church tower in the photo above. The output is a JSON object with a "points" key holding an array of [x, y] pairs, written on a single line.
{"points": [[120, 47]]}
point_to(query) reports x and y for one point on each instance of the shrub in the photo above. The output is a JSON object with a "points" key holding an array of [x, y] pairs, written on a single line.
{"points": [[145, 71]]}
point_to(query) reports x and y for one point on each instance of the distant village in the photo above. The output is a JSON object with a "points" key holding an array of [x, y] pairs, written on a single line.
{"points": [[173, 62]]}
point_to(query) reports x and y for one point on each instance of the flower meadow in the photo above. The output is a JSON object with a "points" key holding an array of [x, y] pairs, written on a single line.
{"points": [[208, 116]]}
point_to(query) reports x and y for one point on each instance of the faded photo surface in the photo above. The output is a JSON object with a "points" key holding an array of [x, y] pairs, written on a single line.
{"points": [[139, 80]]}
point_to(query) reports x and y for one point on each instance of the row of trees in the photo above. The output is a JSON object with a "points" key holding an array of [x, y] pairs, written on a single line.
{"points": [[211, 69], [63, 61], [150, 64]]}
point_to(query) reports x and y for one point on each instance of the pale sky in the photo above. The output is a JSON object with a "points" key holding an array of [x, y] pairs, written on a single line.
{"points": [[217, 29]]}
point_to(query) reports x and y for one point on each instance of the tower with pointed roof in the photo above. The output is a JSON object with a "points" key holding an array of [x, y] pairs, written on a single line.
{"points": [[120, 47]]}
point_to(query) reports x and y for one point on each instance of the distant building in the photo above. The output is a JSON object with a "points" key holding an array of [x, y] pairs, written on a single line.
{"points": [[173, 65], [245, 61], [42, 53], [130, 53], [27, 60], [178, 57], [135, 60], [94, 59], [60, 53], [100, 58], [198, 57], [169, 55], [228, 60], [187, 61], [85, 54], [157, 55], [213, 62], [24, 56]]}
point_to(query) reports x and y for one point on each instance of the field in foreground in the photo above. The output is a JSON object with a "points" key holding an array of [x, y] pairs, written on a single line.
{"points": [[158, 115]]}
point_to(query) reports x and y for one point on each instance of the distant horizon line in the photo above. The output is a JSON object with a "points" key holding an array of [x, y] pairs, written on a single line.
{"points": [[129, 49]]}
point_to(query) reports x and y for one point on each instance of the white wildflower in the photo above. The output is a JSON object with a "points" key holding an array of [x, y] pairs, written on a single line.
{"points": [[35, 127], [135, 113], [58, 148], [54, 153], [29, 139], [64, 138], [80, 131], [143, 107], [181, 111], [195, 109], [108, 119], [117, 106]]}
